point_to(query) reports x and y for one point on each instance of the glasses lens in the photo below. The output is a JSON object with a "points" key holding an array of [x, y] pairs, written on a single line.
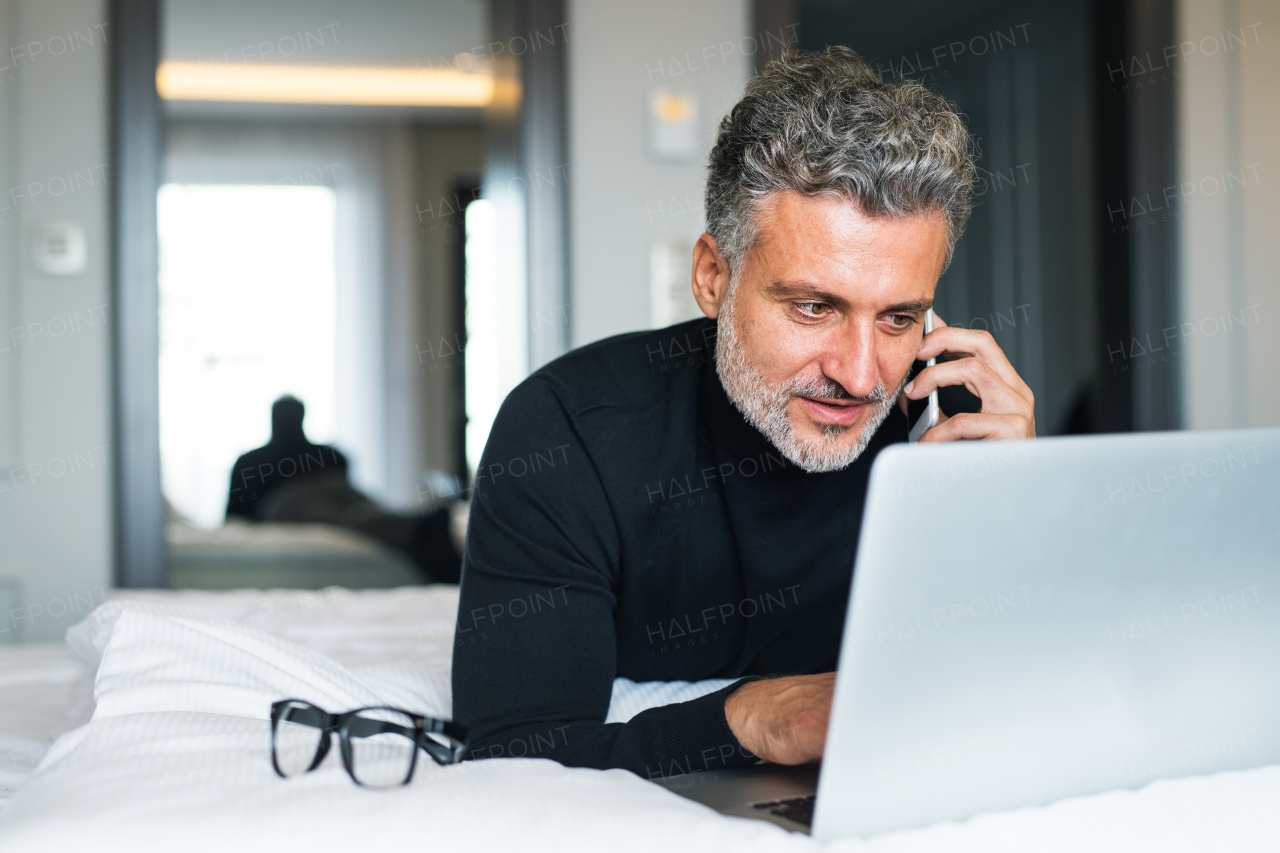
{"points": [[382, 747], [298, 734]]}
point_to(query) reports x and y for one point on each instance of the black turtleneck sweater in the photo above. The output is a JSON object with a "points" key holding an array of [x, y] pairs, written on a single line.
{"points": [[628, 522]]}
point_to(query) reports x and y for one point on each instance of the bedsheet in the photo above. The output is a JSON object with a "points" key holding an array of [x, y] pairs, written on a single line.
{"points": [[37, 686], [47, 689], [176, 756]]}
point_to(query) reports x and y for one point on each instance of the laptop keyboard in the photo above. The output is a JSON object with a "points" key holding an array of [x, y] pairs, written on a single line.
{"points": [[799, 809]]}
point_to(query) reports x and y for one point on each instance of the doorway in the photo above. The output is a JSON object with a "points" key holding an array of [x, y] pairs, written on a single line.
{"points": [[247, 315]]}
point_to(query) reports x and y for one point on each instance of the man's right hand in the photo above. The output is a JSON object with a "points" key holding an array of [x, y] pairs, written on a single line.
{"points": [[783, 720]]}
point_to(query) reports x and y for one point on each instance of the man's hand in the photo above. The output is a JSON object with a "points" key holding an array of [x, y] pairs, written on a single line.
{"points": [[978, 363], [783, 720]]}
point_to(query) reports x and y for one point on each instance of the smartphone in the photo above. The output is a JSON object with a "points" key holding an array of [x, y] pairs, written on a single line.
{"points": [[929, 419]]}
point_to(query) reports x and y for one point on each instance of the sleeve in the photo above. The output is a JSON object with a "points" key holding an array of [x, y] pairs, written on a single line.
{"points": [[535, 650]]}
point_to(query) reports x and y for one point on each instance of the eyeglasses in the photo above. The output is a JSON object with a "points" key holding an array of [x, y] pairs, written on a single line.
{"points": [[379, 745]]}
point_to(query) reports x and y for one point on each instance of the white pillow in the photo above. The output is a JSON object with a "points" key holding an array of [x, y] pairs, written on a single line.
{"points": [[157, 657]]}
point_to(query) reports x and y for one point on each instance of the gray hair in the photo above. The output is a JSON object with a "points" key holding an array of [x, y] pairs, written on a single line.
{"points": [[825, 124]]}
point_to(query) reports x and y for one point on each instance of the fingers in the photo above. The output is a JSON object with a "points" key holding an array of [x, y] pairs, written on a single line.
{"points": [[996, 395], [975, 342], [1008, 405], [783, 720], [981, 426], [1000, 399]]}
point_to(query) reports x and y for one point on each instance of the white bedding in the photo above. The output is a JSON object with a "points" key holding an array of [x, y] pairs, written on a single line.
{"points": [[176, 754], [37, 685]]}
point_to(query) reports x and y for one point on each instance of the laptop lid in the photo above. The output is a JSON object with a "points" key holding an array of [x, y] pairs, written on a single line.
{"points": [[1035, 620]]}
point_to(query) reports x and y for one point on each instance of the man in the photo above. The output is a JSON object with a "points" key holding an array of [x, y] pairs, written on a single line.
{"points": [[291, 479], [288, 457], [684, 504]]}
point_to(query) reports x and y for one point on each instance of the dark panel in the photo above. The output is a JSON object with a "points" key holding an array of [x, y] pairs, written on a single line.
{"points": [[775, 24], [880, 30], [141, 546], [1109, 406], [1019, 73], [457, 440], [1153, 167]]}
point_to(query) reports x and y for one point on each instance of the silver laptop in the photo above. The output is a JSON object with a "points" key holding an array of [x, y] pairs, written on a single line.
{"points": [[1043, 619]]}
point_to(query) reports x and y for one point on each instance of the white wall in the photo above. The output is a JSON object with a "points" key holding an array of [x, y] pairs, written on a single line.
{"points": [[1228, 69], [55, 509], [621, 201]]}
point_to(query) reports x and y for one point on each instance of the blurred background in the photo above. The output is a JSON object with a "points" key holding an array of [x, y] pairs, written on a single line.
{"points": [[395, 210]]}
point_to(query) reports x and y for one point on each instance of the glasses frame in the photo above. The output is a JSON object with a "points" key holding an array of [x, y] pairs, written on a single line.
{"points": [[340, 724]]}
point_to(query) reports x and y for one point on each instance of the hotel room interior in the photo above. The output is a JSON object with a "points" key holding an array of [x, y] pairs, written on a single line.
{"points": [[395, 211]]}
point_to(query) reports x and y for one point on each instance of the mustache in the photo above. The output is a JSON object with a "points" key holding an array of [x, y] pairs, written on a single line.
{"points": [[830, 389]]}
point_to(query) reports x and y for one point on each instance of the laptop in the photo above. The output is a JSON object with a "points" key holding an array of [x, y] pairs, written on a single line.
{"points": [[1035, 620]]}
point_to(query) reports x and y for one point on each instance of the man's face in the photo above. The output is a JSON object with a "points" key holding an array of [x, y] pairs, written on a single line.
{"points": [[826, 318]]}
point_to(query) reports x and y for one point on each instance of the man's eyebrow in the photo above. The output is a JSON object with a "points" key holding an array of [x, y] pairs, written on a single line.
{"points": [[918, 306], [782, 290]]}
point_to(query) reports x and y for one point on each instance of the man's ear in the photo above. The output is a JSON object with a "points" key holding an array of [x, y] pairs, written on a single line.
{"points": [[710, 275]]}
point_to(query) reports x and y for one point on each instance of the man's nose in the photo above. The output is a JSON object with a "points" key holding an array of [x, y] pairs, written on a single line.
{"points": [[850, 359]]}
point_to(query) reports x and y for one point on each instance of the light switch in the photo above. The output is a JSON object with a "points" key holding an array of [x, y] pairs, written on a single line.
{"points": [[673, 126], [60, 249]]}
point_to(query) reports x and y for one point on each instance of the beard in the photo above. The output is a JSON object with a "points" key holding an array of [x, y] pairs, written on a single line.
{"points": [[764, 403]]}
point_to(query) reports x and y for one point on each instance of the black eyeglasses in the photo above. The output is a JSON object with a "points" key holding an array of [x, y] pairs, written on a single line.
{"points": [[379, 745]]}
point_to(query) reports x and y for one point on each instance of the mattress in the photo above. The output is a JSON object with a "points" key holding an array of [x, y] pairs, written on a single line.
{"points": [[241, 555]]}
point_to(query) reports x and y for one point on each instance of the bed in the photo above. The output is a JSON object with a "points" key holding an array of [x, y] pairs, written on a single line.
{"points": [[173, 751], [264, 554]]}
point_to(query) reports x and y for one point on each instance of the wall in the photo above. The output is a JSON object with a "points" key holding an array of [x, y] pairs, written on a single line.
{"points": [[1229, 204], [55, 512], [447, 157], [621, 202]]}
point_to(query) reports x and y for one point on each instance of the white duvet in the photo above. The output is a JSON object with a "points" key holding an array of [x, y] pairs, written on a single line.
{"points": [[176, 757]]}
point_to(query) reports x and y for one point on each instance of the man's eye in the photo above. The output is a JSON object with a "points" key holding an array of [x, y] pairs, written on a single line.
{"points": [[901, 321], [814, 309]]}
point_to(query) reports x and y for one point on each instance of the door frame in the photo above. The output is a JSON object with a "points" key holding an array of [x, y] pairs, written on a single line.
{"points": [[140, 515]]}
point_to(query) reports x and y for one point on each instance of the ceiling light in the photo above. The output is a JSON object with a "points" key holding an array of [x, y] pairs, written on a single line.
{"points": [[322, 84]]}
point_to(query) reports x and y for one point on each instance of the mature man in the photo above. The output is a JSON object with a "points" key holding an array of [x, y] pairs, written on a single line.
{"points": [[684, 504], [291, 479]]}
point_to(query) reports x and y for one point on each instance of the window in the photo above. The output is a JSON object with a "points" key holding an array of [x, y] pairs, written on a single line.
{"points": [[247, 313]]}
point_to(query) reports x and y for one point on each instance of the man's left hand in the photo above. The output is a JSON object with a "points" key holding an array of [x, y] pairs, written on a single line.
{"points": [[977, 363]]}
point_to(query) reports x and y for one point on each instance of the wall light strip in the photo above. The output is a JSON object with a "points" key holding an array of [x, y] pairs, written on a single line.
{"points": [[322, 84]]}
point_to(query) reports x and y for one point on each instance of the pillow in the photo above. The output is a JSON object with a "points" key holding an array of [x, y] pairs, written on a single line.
{"points": [[156, 658], [167, 658]]}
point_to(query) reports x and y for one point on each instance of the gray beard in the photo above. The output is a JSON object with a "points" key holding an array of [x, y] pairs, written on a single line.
{"points": [[764, 404]]}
